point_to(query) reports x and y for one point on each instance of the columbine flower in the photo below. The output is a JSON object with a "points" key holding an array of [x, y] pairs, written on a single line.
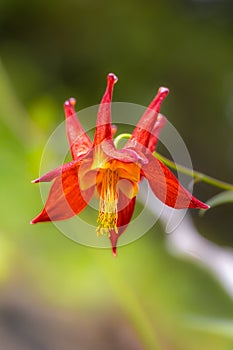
{"points": [[113, 175]]}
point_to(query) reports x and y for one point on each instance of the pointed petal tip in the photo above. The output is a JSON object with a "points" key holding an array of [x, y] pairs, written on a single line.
{"points": [[36, 219], [164, 91], [71, 102], [197, 204], [41, 217], [35, 181], [112, 78], [69, 107], [159, 98], [205, 206], [114, 251]]}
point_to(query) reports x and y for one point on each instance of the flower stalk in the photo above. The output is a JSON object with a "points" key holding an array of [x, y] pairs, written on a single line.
{"points": [[196, 175]]}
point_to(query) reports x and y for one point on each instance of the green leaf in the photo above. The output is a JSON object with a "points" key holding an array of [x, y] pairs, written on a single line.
{"points": [[221, 198], [219, 326]]}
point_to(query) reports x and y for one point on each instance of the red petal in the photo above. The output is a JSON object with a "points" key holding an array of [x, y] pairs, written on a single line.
{"points": [[142, 132], [103, 124], [79, 141], [61, 169], [167, 188], [124, 217], [65, 198], [56, 172], [159, 124]]}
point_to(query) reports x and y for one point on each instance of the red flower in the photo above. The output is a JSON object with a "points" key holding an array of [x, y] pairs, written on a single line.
{"points": [[113, 175]]}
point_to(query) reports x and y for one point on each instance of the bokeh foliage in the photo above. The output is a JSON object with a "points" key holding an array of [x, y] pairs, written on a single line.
{"points": [[53, 50]]}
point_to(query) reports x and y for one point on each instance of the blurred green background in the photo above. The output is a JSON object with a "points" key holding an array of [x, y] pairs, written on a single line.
{"points": [[56, 294]]}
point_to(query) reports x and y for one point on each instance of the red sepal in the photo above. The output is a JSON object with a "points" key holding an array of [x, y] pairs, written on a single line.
{"points": [[167, 188], [65, 198], [51, 175], [124, 217]]}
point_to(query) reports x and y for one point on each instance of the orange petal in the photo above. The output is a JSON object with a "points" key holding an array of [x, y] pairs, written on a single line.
{"points": [[129, 171], [129, 188]]}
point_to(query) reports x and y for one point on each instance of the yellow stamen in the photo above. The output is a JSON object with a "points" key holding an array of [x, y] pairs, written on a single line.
{"points": [[107, 218]]}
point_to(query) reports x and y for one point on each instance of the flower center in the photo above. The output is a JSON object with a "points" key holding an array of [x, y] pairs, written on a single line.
{"points": [[107, 218]]}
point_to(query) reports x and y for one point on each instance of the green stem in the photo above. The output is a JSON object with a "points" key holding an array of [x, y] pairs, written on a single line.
{"points": [[121, 137], [196, 175]]}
